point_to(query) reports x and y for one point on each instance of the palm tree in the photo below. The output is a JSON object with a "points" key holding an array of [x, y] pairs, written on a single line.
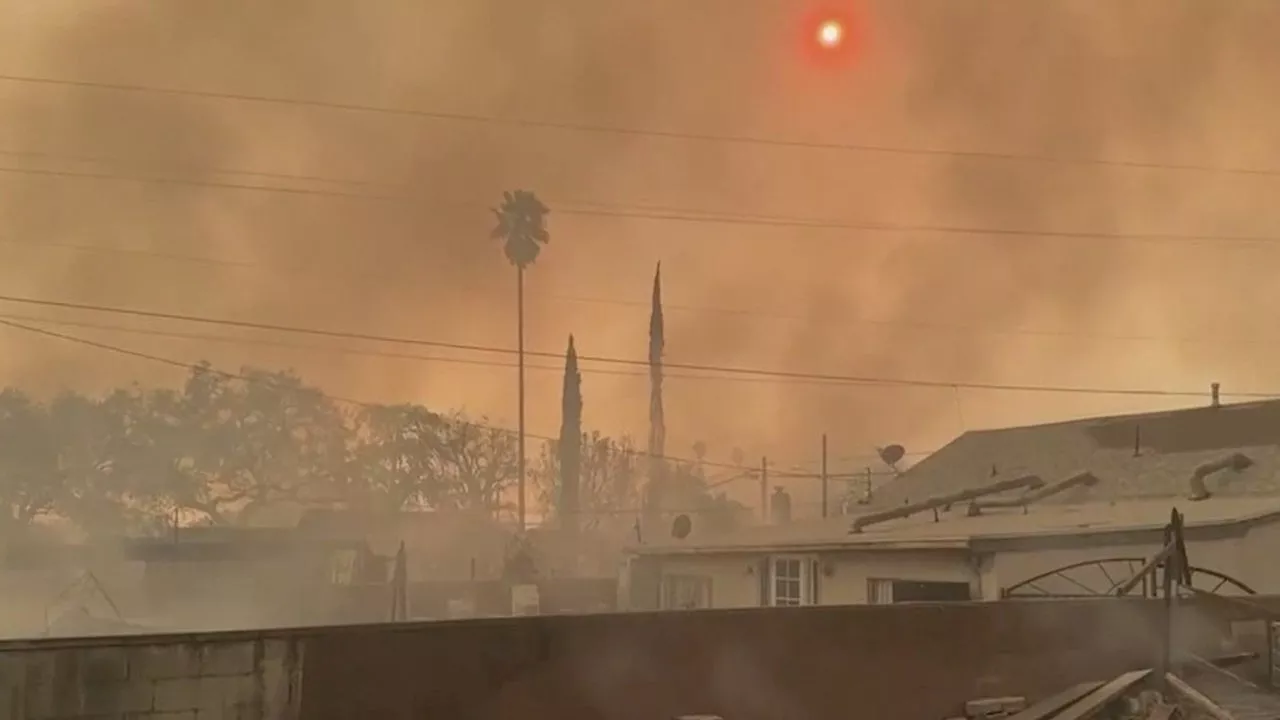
{"points": [[522, 228]]}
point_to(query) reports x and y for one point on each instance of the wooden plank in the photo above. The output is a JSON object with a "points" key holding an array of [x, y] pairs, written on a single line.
{"points": [[1195, 697], [1099, 699], [1051, 705]]}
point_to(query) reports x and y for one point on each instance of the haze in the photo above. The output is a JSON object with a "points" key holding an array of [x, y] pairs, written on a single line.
{"points": [[1169, 82]]}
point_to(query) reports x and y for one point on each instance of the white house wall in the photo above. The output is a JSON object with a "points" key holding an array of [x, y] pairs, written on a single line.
{"points": [[1259, 558], [735, 580], [850, 572]]}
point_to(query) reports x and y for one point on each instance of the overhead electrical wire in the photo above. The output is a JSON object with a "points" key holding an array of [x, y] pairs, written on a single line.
{"points": [[865, 380], [323, 350], [904, 323], [661, 213], [116, 349], [599, 129]]}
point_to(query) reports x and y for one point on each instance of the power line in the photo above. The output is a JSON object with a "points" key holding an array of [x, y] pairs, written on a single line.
{"points": [[673, 307], [730, 139], [684, 215], [379, 353], [796, 473], [336, 398], [729, 370], [196, 169]]}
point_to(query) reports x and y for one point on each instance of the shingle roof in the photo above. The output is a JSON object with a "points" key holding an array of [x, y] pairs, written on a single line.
{"points": [[1144, 457], [956, 529], [1169, 448]]}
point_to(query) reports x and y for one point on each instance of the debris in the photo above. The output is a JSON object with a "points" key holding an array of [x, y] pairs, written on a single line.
{"points": [[1197, 699], [996, 707], [1163, 711], [1053, 704]]}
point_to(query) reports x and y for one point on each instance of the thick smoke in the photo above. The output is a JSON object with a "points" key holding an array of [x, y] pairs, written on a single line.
{"points": [[1185, 82]]}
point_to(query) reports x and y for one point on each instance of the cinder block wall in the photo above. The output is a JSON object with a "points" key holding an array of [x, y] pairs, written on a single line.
{"points": [[172, 678]]}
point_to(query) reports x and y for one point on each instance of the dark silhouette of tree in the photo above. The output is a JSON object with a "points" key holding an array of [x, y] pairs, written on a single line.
{"points": [[30, 481], [235, 446], [522, 228], [609, 476], [396, 459], [478, 464], [570, 444], [657, 421], [111, 468]]}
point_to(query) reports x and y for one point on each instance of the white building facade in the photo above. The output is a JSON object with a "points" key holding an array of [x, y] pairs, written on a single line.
{"points": [[1054, 551]]}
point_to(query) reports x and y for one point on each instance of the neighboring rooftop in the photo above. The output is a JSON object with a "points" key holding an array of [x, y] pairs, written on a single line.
{"points": [[1137, 468], [1133, 456], [955, 528]]}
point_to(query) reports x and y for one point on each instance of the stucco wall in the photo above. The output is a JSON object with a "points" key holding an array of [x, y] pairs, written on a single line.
{"points": [[176, 678], [735, 584]]}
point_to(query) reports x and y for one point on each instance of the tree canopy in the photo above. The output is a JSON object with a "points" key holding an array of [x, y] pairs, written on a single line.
{"points": [[231, 450]]}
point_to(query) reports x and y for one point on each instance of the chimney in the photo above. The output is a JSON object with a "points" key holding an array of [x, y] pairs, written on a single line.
{"points": [[780, 506], [1213, 391]]}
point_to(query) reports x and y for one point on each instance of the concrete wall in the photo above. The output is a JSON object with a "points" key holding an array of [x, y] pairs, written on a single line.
{"points": [[171, 678], [905, 662]]}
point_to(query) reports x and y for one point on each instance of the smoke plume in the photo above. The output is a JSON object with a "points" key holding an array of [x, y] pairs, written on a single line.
{"points": [[1184, 82]]}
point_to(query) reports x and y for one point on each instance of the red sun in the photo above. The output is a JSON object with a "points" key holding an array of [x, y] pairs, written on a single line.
{"points": [[830, 34], [831, 37]]}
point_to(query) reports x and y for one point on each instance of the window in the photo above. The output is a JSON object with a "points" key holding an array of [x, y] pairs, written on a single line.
{"points": [[342, 567], [686, 592], [792, 581], [887, 592]]}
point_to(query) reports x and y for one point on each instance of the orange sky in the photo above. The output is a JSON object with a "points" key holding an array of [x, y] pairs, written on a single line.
{"points": [[1178, 82]]}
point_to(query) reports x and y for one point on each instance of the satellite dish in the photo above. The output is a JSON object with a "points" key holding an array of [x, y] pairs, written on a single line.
{"points": [[681, 527], [891, 455]]}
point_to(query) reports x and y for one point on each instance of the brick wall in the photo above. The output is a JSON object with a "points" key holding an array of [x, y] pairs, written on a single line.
{"points": [[179, 678]]}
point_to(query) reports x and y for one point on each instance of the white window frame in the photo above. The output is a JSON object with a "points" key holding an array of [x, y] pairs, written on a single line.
{"points": [[804, 578], [880, 591], [697, 587]]}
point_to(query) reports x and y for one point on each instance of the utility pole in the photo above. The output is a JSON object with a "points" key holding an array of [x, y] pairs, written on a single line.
{"points": [[764, 489], [824, 475]]}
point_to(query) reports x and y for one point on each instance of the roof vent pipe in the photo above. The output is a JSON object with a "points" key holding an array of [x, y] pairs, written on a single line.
{"points": [[1235, 462], [1031, 482], [1081, 479]]}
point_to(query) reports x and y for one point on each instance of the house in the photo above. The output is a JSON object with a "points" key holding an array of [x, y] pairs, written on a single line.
{"points": [[210, 578], [441, 546], [1071, 508]]}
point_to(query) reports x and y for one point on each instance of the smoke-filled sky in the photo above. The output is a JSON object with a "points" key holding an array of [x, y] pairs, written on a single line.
{"points": [[1165, 82]]}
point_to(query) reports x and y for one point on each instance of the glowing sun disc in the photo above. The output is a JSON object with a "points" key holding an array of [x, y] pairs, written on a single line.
{"points": [[830, 33]]}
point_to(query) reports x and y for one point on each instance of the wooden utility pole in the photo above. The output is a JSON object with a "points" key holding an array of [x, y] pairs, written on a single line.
{"points": [[824, 474], [764, 489]]}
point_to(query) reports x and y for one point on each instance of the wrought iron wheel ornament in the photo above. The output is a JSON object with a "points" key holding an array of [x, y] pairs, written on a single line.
{"points": [[1100, 578], [1166, 576]]}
